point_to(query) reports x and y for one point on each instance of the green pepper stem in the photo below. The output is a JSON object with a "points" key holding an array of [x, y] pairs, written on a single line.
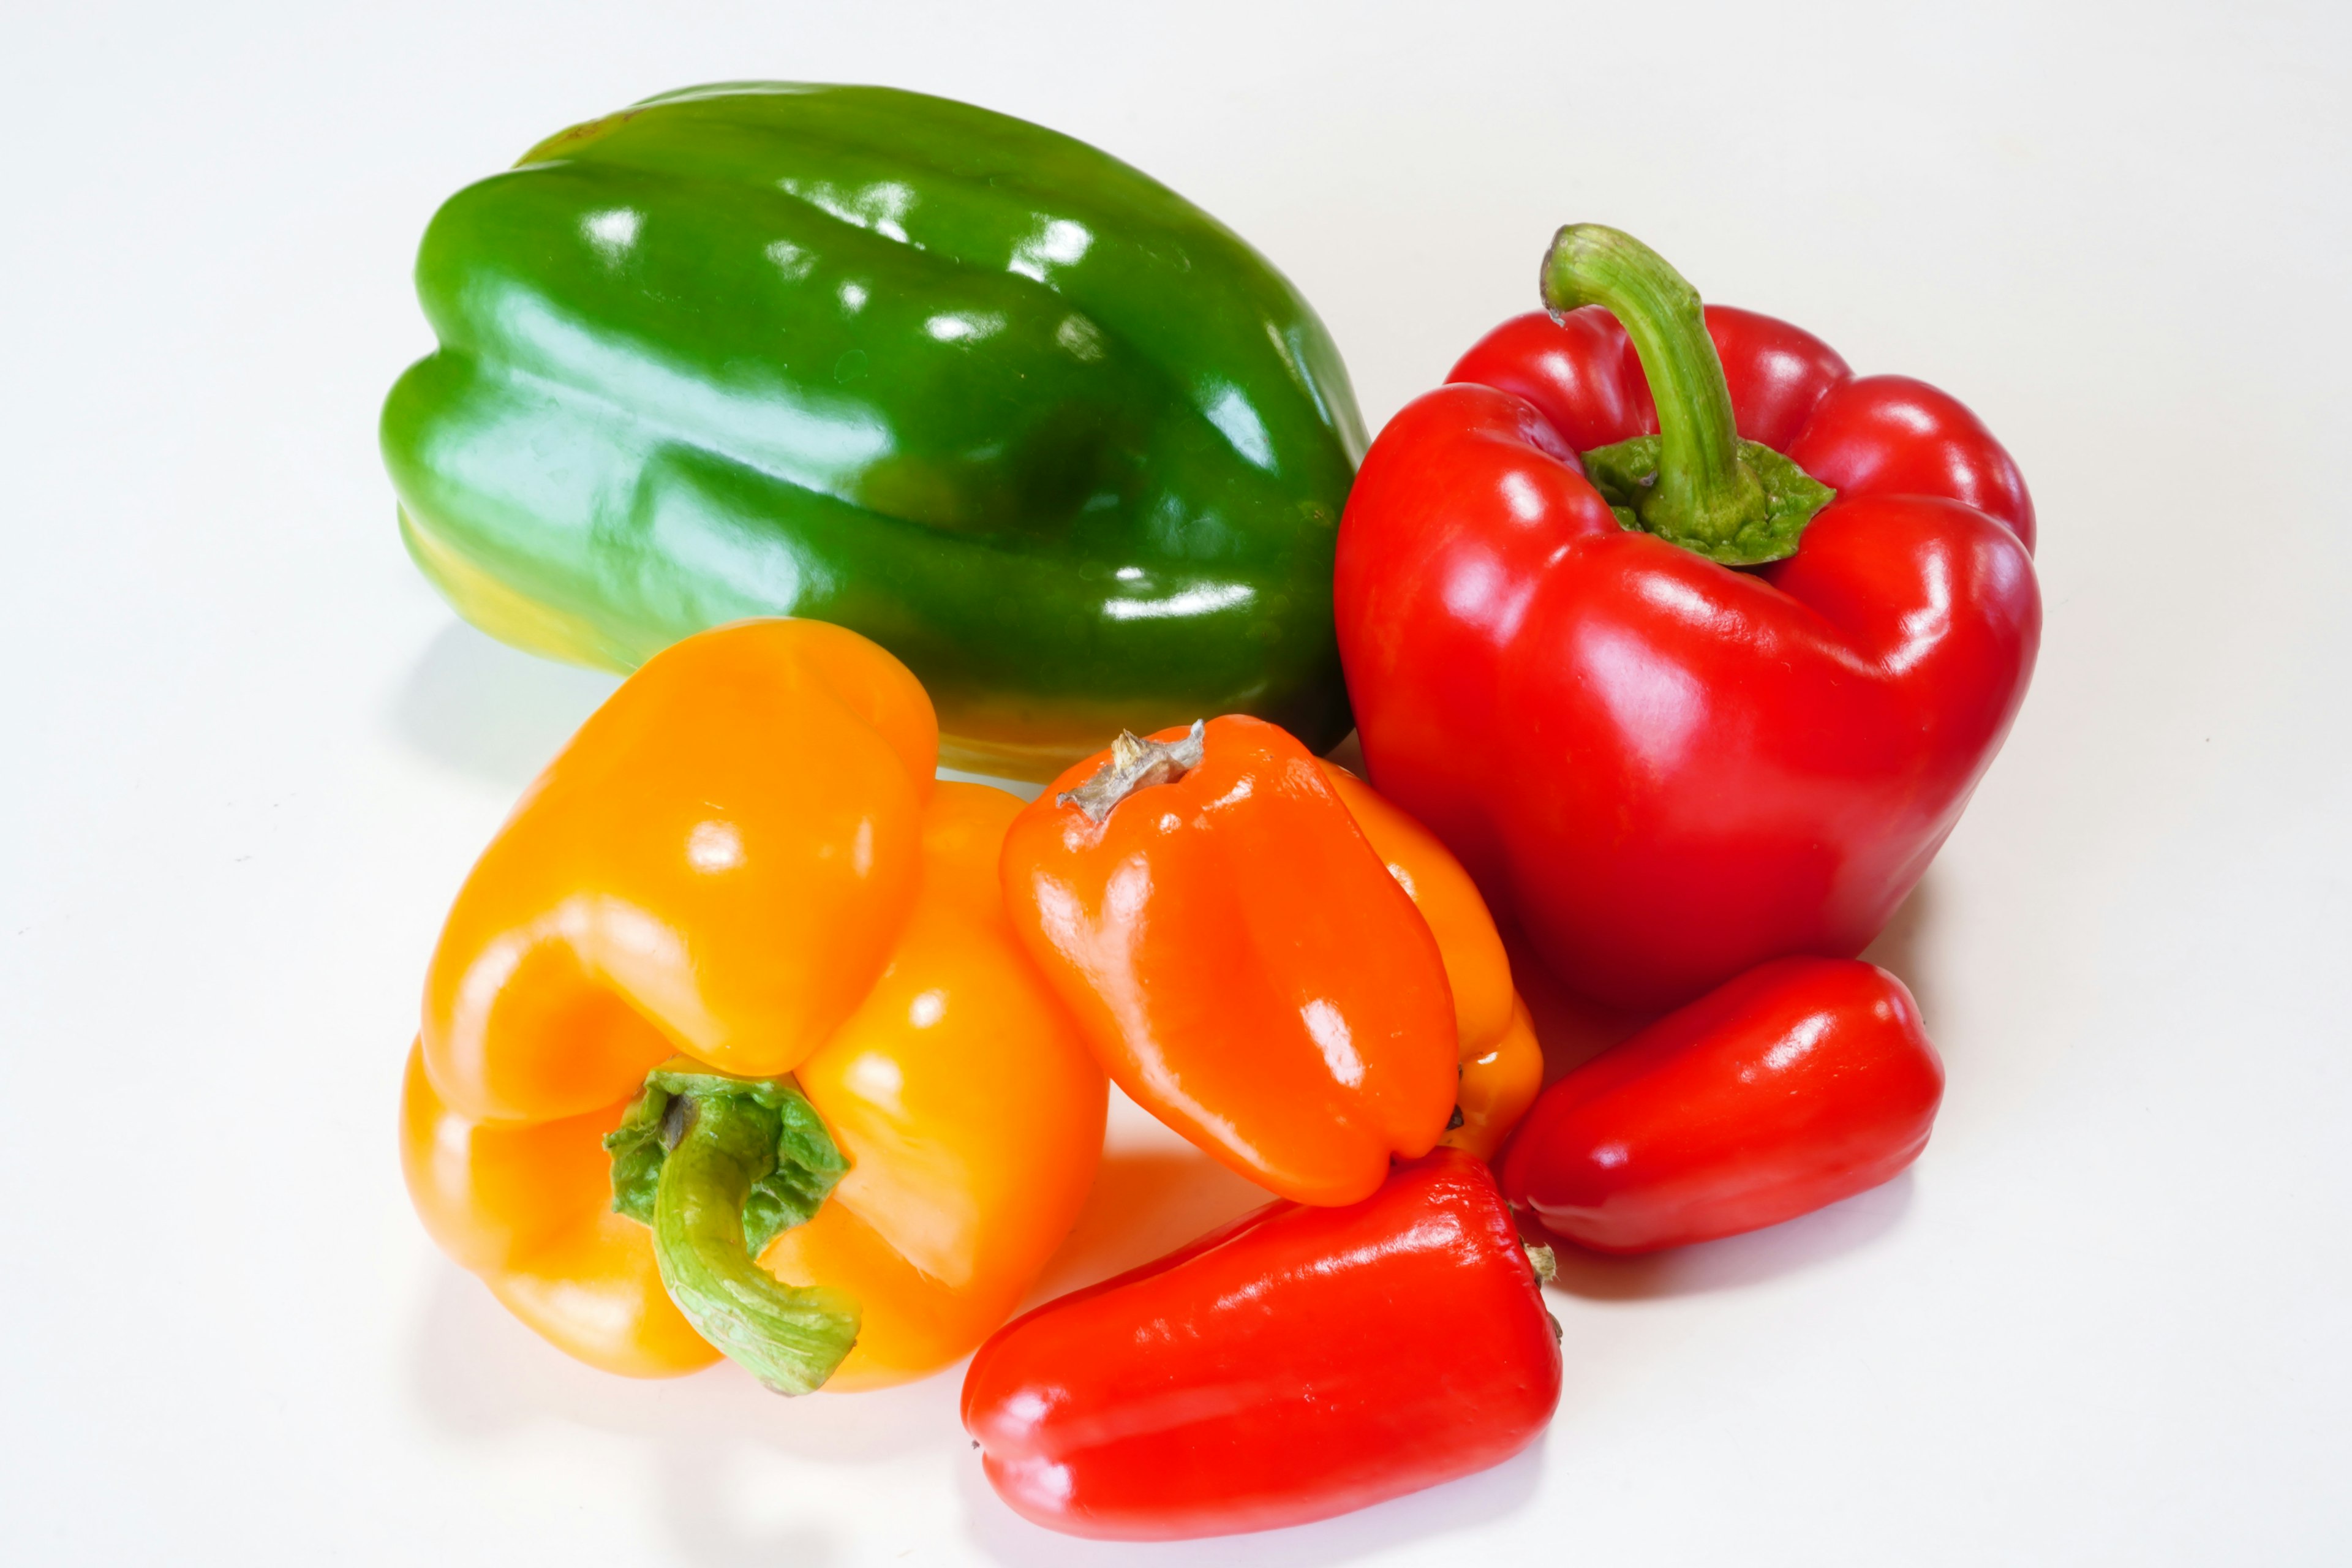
{"points": [[720, 1146], [1704, 491]]}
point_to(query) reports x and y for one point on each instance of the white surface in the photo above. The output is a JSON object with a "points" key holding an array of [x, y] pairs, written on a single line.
{"points": [[248, 755]]}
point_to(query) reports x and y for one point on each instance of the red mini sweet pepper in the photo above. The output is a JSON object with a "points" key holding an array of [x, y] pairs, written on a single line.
{"points": [[1609, 636], [1803, 1081], [1299, 1363]]}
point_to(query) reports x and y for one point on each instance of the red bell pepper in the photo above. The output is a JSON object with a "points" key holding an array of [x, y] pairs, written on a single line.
{"points": [[1299, 1363], [1676, 715], [1802, 1082]]}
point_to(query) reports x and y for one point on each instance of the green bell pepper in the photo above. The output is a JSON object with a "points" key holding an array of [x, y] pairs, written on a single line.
{"points": [[1040, 427]]}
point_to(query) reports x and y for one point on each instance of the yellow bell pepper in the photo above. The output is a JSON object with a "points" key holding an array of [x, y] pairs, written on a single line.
{"points": [[737, 963]]}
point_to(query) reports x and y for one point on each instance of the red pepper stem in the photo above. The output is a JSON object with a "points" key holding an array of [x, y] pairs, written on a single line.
{"points": [[1705, 494]]}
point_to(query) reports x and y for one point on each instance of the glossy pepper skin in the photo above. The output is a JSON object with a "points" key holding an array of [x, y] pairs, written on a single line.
{"points": [[1802, 1082], [1239, 956], [1667, 769], [1299, 1363], [1500, 1063], [742, 866], [1051, 434]]}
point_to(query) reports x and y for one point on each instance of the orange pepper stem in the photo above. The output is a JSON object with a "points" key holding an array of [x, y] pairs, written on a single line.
{"points": [[719, 1166], [1136, 763]]}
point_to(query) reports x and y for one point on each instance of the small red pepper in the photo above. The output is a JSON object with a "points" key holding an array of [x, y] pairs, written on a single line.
{"points": [[1668, 766], [1299, 1363], [1802, 1082]]}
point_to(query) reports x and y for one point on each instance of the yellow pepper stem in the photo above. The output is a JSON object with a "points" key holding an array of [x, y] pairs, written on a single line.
{"points": [[717, 1166]]}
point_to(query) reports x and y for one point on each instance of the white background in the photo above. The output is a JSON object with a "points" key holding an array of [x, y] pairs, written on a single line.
{"points": [[245, 755]]}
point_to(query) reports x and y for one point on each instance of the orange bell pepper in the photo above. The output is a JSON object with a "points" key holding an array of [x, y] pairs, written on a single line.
{"points": [[736, 935], [1239, 956], [1501, 1064]]}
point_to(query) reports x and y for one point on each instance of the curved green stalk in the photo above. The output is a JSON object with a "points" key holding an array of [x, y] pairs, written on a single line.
{"points": [[1695, 483], [717, 1166]]}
